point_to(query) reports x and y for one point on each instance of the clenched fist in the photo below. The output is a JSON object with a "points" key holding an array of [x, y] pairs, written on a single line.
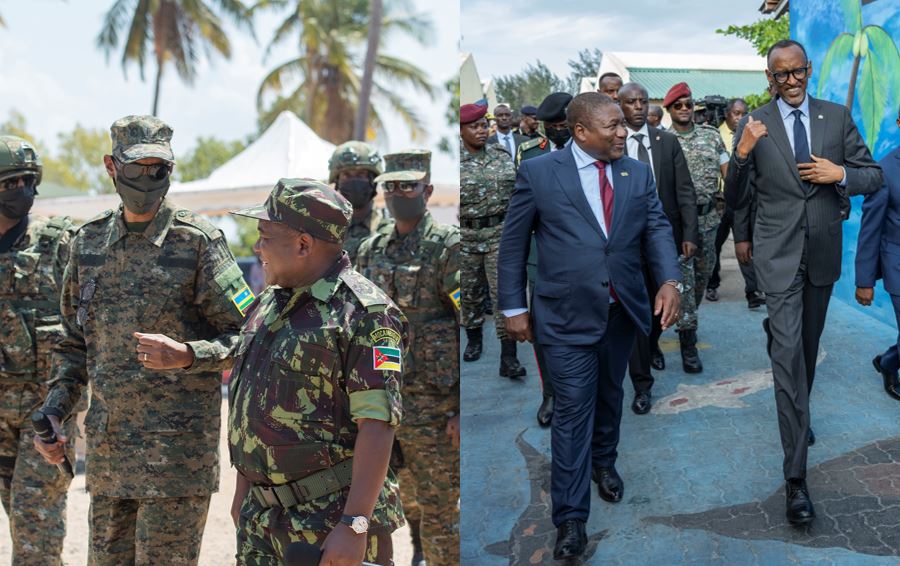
{"points": [[752, 133]]}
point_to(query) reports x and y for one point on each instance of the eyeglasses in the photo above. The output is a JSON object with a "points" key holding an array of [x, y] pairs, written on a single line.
{"points": [[28, 181], [401, 186], [799, 73], [156, 171], [679, 105]]}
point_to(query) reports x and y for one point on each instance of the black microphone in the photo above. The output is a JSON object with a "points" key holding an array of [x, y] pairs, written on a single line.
{"points": [[305, 554], [44, 430]]}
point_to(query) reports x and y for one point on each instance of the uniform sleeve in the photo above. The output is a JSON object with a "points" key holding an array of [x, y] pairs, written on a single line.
{"points": [[450, 287], [375, 365], [68, 369], [223, 297]]}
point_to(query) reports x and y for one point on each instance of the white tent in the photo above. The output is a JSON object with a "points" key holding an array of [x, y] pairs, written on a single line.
{"points": [[289, 148]]}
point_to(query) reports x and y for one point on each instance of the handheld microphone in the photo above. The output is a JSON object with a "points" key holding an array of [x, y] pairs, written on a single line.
{"points": [[44, 430], [305, 554]]}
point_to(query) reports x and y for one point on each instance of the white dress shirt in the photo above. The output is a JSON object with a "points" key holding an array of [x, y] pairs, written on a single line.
{"points": [[788, 118], [632, 144], [508, 141]]}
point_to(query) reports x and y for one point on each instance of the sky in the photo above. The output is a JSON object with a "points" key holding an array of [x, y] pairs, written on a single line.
{"points": [[53, 73], [505, 39]]}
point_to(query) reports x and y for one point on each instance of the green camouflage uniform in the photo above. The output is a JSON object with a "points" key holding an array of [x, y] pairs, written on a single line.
{"points": [[152, 435], [376, 221], [487, 178], [420, 272], [33, 493], [311, 362], [702, 148]]}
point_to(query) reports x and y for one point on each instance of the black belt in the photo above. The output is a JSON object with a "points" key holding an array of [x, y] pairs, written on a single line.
{"points": [[483, 222], [704, 209]]}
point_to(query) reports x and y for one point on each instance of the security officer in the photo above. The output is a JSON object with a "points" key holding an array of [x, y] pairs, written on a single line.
{"points": [[487, 178], [152, 301], [528, 124], [707, 161], [417, 264], [315, 391], [33, 254], [352, 169]]}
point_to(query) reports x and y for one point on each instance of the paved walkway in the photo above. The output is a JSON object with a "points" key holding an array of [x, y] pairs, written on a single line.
{"points": [[702, 471]]}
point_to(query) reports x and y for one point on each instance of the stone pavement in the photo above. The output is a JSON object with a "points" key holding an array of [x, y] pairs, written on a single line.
{"points": [[702, 471]]}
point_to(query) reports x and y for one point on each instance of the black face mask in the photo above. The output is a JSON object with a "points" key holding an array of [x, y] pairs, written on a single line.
{"points": [[559, 136], [403, 208], [142, 194], [358, 191], [15, 203]]}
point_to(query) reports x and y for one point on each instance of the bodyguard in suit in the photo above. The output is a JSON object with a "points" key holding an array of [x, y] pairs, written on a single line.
{"points": [[662, 151], [592, 212], [878, 257], [801, 157], [504, 136]]}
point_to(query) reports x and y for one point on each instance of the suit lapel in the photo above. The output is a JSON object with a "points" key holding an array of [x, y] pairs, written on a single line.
{"points": [[619, 172], [570, 182], [816, 126], [656, 150], [775, 127]]}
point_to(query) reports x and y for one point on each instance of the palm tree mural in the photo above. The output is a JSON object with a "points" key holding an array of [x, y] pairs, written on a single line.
{"points": [[322, 83], [169, 31], [874, 49]]}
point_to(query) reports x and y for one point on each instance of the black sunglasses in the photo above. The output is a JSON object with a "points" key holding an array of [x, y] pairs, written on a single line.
{"points": [[156, 171], [799, 73], [679, 105]]}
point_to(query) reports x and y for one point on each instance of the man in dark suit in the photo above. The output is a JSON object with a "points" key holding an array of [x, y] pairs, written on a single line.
{"points": [[878, 257], [662, 151], [801, 157], [592, 212], [504, 136]]}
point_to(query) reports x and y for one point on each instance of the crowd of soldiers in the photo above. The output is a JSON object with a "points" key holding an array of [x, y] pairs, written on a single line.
{"points": [[689, 160], [136, 313]]}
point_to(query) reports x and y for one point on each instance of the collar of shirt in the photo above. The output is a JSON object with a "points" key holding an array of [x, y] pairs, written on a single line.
{"points": [[644, 130], [583, 160], [322, 290], [785, 109], [155, 232]]}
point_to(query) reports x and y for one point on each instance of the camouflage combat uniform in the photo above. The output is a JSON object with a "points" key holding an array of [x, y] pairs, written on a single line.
{"points": [[152, 435], [311, 362], [376, 221], [486, 180], [703, 149], [420, 272], [33, 493]]}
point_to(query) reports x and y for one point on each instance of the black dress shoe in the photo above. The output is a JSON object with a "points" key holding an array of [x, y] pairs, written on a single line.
{"points": [[712, 295], [571, 540], [641, 404], [769, 338], [755, 300], [891, 381], [545, 412], [658, 360], [799, 507], [811, 437], [609, 484]]}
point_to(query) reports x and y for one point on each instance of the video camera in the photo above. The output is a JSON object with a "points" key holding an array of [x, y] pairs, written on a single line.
{"points": [[714, 109]]}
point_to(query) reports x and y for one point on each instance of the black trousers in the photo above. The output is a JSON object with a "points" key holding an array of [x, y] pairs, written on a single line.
{"points": [[644, 346], [746, 270]]}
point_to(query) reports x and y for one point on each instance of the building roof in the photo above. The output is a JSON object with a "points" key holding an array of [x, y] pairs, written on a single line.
{"points": [[702, 82]]}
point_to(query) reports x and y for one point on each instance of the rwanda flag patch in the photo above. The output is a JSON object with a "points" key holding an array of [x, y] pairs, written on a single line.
{"points": [[454, 296], [242, 299], [386, 358]]}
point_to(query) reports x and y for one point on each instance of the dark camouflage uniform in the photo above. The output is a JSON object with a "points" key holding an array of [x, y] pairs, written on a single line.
{"points": [[420, 272], [310, 363], [33, 493], [702, 147], [376, 221], [486, 180]]}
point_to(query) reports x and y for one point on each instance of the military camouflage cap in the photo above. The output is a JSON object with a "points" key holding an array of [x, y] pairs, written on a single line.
{"points": [[18, 157], [353, 154], [308, 206], [409, 165], [140, 137]]}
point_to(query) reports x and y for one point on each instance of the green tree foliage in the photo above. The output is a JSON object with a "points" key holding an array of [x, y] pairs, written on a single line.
{"points": [[586, 65], [242, 246], [762, 35], [208, 154], [529, 86], [451, 115]]}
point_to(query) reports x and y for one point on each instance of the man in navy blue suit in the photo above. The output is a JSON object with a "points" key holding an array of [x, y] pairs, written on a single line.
{"points": [[593, 211], [878, 257]]}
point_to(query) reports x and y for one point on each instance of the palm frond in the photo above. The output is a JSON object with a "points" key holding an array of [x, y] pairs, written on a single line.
{"points": [[406, 113], [400, 71], [275, 80]]}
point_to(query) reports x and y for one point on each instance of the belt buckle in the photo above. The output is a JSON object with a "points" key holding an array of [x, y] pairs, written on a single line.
{"points": [[302, 491], [267, 497]]}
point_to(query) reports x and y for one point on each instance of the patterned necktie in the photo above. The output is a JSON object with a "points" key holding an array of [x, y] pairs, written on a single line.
{"points": [[606, 199], [642, 155]]}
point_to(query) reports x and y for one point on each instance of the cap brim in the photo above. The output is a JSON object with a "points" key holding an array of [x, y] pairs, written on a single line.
{"points": [[401, 176], [258, 211], [145, 151]]}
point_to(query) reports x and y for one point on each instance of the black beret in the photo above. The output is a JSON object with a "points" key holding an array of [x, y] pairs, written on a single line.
{"points": [[553, 108], [528, 110]]}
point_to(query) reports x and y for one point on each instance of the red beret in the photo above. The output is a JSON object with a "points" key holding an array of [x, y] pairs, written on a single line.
{"points": [[676, 92], [469, 113]]}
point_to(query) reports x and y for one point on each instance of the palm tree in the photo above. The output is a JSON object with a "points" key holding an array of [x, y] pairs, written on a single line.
{"points": [[365, 89], [323, 81], [174, 30]]}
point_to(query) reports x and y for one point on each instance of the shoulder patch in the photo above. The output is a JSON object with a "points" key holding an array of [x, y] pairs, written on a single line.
{"points": [[199, 222], [364, 290]]}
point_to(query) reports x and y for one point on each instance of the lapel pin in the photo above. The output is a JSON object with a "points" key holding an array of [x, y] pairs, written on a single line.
{"points": [[624, 173], [821, 117], [657, 138]]}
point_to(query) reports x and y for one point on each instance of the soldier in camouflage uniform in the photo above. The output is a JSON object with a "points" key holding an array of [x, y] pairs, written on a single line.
{"points": [[707, 161], [486, 178], [417, 264], [315, 391], [152, 303], [33, 254], [352, 169]]}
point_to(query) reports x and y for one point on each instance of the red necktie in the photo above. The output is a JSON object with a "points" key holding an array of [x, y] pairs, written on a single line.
{"points": [[606, 199]]}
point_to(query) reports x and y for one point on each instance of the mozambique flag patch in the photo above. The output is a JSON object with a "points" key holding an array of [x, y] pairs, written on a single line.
{"points": [[454, 296], [242, 298], [386, 358]]}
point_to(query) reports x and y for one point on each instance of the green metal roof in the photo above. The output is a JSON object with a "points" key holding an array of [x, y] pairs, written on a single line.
{"points": [[702, 82]]}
